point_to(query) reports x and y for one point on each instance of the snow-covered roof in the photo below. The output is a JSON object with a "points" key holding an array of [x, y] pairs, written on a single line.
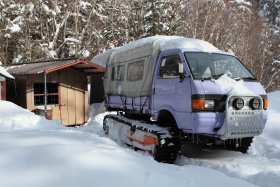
{"points": [[49, 66], [4, 73], [101, 59], [188, 43], [164, 42]]}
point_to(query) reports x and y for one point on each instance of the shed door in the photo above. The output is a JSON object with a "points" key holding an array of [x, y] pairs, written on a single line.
{"points": [[73, 99]]}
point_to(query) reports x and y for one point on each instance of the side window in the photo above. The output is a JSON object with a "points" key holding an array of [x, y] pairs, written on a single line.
{"points": [[117, 73], [52, 94], [169, 67], [106, 72], [113, 73], [135, 71]]}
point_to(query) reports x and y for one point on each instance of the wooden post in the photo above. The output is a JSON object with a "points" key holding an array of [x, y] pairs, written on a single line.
{"points": [[45, 92]]}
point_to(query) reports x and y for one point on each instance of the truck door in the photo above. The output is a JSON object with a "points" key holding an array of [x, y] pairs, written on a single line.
{"points": [[169, 91]]}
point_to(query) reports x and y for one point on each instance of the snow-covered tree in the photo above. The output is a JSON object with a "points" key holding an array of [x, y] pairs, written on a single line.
{"points": [[41, 29]]}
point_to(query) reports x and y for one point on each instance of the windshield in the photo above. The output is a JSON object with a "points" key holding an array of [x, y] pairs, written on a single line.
{"points": [[212, 66]]}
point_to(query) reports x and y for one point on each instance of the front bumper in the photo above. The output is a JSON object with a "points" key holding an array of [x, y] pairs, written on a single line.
{"points": [[242, 123]]}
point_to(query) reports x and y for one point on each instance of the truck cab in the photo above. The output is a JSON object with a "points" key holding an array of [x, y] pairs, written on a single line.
{"points": [[211, 94]]}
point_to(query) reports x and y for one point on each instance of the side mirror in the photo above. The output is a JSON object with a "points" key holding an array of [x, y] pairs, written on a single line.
{"points": [[181, 68], [181, 72]]}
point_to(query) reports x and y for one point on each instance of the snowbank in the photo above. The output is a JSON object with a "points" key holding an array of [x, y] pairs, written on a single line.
{"points": [[15, 117], [268, 143], [73, 158]]}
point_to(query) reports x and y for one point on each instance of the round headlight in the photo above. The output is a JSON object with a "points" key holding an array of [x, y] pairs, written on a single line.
{"points": [[255, 103], [238, 103]]}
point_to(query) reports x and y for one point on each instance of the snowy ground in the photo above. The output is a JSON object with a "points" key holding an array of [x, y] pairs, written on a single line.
{"points": [[36, 152]]}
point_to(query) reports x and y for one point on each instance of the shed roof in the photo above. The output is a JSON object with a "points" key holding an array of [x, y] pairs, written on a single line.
{"points": [[5, 74], [50, 66]]}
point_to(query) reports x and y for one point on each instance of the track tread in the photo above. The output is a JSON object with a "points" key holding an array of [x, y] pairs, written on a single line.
{"points": [[165, 152]]}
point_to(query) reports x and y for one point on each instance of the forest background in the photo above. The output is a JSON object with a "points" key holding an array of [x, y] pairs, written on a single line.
{"points": [[32, 30]]}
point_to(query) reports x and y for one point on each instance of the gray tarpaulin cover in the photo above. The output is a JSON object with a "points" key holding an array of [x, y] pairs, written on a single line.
{"points": [[130, 68]]}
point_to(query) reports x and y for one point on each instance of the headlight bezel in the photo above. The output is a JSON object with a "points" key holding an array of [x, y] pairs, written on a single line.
{"points": [[255, 104], [238, 103]]}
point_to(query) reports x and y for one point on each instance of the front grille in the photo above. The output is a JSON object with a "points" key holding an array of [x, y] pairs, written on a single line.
{"points": [[242, 123]]}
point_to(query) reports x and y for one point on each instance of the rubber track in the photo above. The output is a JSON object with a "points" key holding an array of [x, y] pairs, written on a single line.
{"points": [[168, 149]]}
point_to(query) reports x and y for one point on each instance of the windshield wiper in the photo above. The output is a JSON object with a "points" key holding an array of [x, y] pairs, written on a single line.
{"points": [[217, 76], [248, 78], [212, 77]]}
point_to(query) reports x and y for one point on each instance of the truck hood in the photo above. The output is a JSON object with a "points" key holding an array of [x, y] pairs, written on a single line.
{"points": [[211, 87]]}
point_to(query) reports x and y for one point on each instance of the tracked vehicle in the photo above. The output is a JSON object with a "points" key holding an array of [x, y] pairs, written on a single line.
{"points": [[169, 91]]}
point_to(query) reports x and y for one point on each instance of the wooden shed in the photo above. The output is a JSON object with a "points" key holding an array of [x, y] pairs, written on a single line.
{"points": [[4, 77], [56, 87]]}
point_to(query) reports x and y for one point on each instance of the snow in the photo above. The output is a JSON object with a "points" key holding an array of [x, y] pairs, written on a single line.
{"points": [[5, 73], [268, 144], [84, 5], [85, 53], [37, 152], [101, 59], [232, 87], [74, 40], [171, 42], [166, 43], [15, 28], [14, 117], [48, 10], [53, 54], [188, 43], [18, 59], [31, 8], [243, 2]]}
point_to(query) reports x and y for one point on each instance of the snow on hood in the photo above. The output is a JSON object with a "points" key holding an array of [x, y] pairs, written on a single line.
{"points": [[5, 73], [233, 87], [15, 117]]}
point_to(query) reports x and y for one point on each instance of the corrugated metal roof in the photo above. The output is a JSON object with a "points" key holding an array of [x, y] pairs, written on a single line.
{"points": [[54, 65]]}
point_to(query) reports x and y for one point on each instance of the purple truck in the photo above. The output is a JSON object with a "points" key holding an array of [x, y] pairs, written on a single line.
{"points": [[169, 91]]}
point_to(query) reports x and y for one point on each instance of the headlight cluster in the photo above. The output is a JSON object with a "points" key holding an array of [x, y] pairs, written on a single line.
{"points": [[209, 104], [238, 103], [254, 103], [202, 104]]}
